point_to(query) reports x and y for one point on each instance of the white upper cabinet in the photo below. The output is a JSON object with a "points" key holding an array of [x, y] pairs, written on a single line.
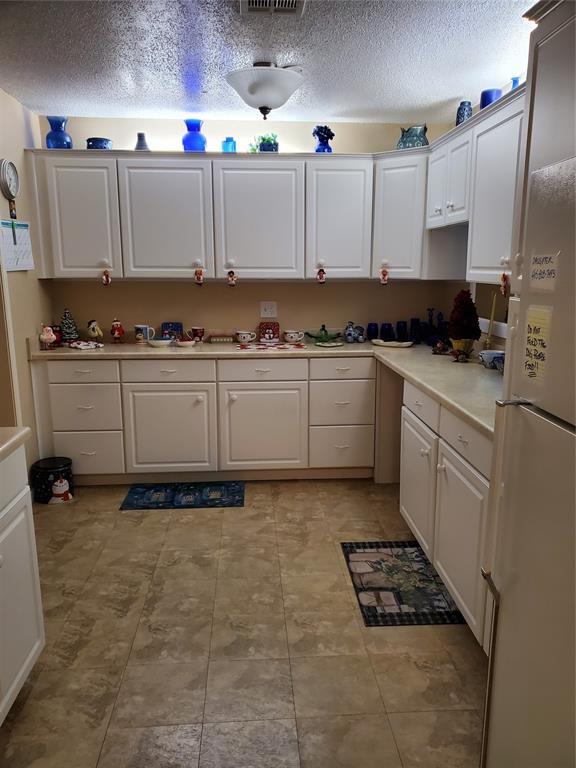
{"points": [[447, 199], [83, 216], [166, 210], [400, 188], [338, 217], [495, 161], [259, 218]]}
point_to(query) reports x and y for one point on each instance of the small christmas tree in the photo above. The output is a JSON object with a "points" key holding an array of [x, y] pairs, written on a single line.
{"points": [[463, 323], [69, 328]]}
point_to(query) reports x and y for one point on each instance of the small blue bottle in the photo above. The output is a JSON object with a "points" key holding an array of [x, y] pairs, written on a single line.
{"points": [[229, 145], [515, 83]]}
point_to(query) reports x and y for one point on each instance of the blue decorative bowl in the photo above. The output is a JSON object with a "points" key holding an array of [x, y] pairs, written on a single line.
{"points": [[268, 146], [98, 142], [489, 96]]}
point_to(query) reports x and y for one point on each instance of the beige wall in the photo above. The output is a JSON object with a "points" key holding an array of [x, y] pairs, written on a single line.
{"points": [[163, 134], [215, 306], [29, 297]]}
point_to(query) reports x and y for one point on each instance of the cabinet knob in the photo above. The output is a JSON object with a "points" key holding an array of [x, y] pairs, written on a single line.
{"points": [[197, 263], [233, 398], [105, 264], [450, 205], [200, 398], [321, 263], [385, 264], [230, 263], [438, 209], [424, 451], [505, 261], [518, 260], [441, 468]]}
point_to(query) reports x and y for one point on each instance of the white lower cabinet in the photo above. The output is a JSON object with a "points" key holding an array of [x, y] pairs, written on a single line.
{"points": [[263, 425], [461, 514], [170, 427], [419, 457], [21, 623]]}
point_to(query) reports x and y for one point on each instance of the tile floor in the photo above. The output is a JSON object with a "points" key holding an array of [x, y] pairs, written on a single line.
{"points": [[232, 639]]}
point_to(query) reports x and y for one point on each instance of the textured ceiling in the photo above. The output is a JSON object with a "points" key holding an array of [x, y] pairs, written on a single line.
{"points": [[372, 60]]}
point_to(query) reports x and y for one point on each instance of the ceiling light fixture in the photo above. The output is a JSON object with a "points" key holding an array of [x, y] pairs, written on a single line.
{"points": [[265, 86]]}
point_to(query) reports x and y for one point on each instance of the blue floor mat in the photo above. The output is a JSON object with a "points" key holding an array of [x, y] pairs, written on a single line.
{"points": [[184, 495]]}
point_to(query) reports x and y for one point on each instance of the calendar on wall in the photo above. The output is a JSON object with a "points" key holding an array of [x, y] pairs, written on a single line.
{"points": [[15, 245]]}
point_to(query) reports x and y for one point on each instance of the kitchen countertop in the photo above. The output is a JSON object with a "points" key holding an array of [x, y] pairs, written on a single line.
{"points": [[12, 438], [467, 389]]}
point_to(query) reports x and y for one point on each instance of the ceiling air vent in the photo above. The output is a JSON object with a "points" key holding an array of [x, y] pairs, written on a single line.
{"points": [[294, 8]]}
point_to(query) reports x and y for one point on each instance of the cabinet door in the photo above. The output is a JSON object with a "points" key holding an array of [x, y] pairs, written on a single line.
{"points": [[84, 216], [461, 510], [338, 217], [399, 200], [458, 180], [259, 218], [166, 208], [436, 188], [419, 457], [21, 627], [495, 160], [170, 427], [263, 425]]}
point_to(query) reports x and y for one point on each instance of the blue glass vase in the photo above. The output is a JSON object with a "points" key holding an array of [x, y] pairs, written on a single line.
{"points": [[322, 146], [464, 112], [193, 140], [229, 145], [57, 138]]}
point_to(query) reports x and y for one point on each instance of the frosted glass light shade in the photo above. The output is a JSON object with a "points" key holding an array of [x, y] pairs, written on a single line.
{"points": [[265, 86]]}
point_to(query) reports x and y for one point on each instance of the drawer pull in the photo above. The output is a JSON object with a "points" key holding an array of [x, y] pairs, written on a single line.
{"points": [[343, 370], [342, 402], [419, 403], [341, 447], [424, 451], [441, 468], [85, 407], [83, 371], [87, 453], [262, 370], [462, 439], [169, 370]]}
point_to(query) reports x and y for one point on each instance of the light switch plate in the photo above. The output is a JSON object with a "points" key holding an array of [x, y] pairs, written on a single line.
{"points": [[268, 309]]}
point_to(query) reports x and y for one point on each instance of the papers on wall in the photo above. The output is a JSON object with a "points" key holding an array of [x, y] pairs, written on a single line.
{"points": [[537, 340], [15, 245]]}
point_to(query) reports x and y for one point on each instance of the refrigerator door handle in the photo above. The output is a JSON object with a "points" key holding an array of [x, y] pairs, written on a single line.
{"points": [[513, 401], [487, 576]]}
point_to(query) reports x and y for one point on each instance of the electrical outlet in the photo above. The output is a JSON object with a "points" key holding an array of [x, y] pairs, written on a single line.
{"points": [[268, 309]]}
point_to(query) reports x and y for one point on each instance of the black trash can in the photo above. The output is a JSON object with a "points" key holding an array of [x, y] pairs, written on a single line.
{"points": [[52, 481]]}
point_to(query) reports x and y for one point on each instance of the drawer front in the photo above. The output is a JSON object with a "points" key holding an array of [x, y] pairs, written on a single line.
{"points": [[170, 369], [348, 446], [263, 370], [82, 407], [92, 453], [475, 447], [83, 371], [343, 368], [342, 402], [13, 476], [425, 407]]}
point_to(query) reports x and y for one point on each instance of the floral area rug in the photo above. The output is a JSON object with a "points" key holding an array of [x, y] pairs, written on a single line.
{"points": [[396, 585], [184, 495]]}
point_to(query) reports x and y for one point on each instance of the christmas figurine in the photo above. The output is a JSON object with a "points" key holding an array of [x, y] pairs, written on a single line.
{"points": [[69, 328], [384, 276], [505, 284], [117, 331], [106, 279], [199, 276], [94, 331], [232, 279], [60, 491], [321, 276], [47, 337]]}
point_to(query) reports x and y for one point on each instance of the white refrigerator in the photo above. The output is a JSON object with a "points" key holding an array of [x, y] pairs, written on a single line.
{"points": [[530, 719]]}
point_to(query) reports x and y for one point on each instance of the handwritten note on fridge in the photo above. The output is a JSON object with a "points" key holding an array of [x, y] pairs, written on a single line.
{"points": [[538, 321], [543, 271], [15, 245]]}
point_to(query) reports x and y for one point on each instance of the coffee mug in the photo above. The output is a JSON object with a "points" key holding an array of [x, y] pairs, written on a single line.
{"points": [[196, 333], [293, 336], [143, 333], [245, 336]]}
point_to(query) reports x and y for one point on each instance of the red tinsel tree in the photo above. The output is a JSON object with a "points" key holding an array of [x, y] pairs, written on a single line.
{"points": [[463, 322]]}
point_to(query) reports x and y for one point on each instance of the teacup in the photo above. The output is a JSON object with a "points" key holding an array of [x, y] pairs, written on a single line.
{"points": [[244, 337], [143, 333], [196, 333], [293, 336]]}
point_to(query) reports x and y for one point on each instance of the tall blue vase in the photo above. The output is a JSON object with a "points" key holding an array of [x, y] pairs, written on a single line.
{"points": [[194, 140], [57, 138], [464, 112]]}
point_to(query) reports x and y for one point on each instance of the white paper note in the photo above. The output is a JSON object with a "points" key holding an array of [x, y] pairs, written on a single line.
{"points": [[544, 271], [537, 338], [15, 245]]}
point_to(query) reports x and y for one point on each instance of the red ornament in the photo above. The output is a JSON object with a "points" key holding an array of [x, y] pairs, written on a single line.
{"points": [[117, 331], [384, 276]]}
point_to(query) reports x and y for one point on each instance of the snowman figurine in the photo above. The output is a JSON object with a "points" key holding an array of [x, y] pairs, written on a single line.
{"points": [[47, 337], [60, 491], [94, 331]]}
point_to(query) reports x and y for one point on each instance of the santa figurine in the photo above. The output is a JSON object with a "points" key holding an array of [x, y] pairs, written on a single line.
{"points": [[47, 337], [321, 276], [199, 276], [384, 276], [60, 491], [106, 278], [117, 331], [94, 331], [232, 279]]}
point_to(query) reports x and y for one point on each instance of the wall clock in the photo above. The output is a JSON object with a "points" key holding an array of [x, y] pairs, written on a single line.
{"points": [[9, 180]]}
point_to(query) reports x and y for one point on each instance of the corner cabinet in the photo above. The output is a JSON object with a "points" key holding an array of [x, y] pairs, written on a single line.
{"points": [[83, 215], [259, 218], [400, 189], [166, 210], [495, 163], [448, 192], [339, 217]]}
